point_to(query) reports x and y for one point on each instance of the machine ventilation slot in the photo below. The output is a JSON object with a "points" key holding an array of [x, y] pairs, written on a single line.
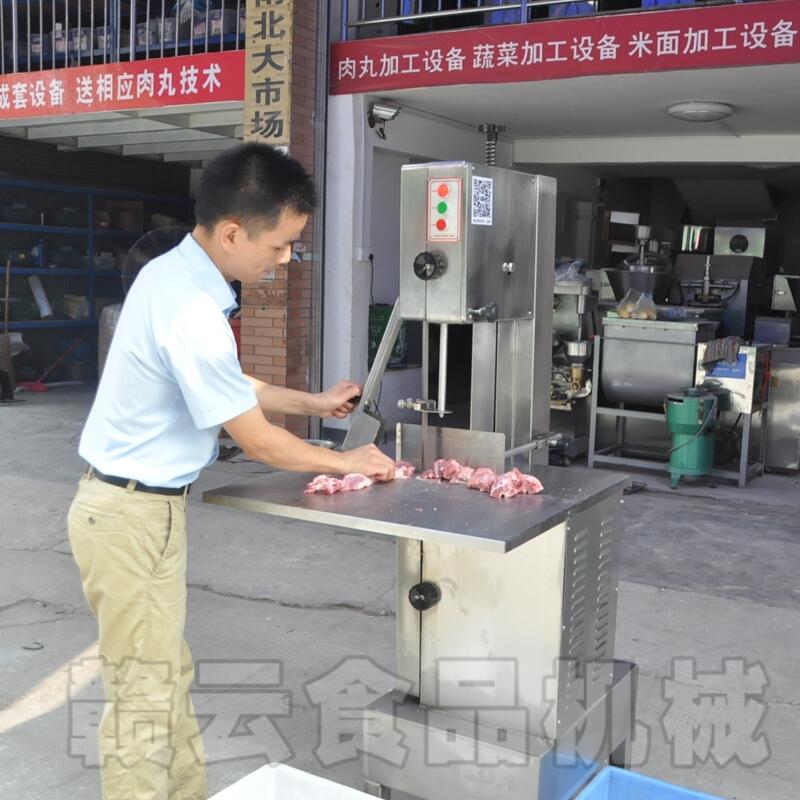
{"points": [[603, 594], [577, 596]]}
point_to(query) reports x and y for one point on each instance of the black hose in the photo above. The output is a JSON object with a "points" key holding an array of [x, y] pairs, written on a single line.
{"points": [[700, 430]]}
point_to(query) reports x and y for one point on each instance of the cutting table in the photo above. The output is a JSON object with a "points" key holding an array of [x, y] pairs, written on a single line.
{"points": [[505, 628], [428, 511]]}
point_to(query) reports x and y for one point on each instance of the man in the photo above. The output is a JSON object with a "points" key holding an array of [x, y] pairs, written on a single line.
{"points": [[171, 381]]}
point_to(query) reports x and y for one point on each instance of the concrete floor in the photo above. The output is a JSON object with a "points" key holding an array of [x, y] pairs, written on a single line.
{"points": [[706, 573]]}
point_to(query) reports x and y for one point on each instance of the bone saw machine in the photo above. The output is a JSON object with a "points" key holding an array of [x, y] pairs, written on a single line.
{"points": [[506, 609]]}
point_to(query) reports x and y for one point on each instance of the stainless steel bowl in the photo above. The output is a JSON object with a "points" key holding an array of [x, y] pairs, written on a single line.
{"points": [[647, 280]]}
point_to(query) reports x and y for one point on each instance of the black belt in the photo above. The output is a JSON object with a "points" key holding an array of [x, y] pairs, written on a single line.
{"points": [[137, 486]]}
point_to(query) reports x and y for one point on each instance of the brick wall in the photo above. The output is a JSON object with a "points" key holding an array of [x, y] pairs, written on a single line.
{"points": [[276, 316]]}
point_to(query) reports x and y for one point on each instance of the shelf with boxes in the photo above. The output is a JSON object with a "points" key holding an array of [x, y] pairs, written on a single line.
{"points": [[81, 32], [65, 248]]}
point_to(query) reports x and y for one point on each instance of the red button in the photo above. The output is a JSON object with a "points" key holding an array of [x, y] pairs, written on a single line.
{"points": [[441, 224], [443, 190]]}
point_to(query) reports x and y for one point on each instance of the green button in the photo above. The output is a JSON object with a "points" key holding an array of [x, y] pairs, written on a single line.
{"points": [[442, 207]]}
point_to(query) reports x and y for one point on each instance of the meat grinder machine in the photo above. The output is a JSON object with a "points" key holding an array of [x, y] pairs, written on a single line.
{"points": [[505, 610]]}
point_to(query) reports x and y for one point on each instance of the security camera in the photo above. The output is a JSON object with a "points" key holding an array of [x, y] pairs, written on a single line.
{"points": [[379, 114], [385, 112]]}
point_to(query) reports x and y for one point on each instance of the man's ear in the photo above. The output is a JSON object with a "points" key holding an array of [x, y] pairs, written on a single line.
{"points": [[229, 234]]}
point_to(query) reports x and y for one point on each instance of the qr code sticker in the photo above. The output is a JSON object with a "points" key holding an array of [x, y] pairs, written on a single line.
{"points": [[482, 197]]}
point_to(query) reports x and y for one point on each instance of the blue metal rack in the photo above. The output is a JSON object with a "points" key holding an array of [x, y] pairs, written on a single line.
{"points": [[62, 272], [87, 235], [51, 323]]}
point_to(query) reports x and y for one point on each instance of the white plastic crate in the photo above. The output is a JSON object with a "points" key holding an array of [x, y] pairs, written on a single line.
{"points": [[279, 782]]}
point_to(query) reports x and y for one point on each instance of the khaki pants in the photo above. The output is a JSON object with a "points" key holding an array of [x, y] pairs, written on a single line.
{"points": [[131, 551]]}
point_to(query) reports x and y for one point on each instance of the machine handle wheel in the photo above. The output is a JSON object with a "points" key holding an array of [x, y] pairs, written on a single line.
{"points": [[425, 595]]}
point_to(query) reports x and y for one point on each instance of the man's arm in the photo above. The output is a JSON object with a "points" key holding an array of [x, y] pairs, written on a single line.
{"points": [[261, 441], [280, 400], [335, 402]]}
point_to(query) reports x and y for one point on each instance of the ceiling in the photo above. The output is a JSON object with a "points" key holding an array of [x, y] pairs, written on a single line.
{"points": [[190, 134], [621, 105]]}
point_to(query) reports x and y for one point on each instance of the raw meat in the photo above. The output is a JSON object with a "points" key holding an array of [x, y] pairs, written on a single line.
{"points": [[482, 479], [403, 470], [531, 484], [505, 486], [324, 484], [464, 474], [444, 469], [327, 484], [514, 482], [355, 481]]}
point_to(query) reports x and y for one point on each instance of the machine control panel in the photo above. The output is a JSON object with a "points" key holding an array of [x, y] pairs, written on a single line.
{"points": [[468, 254], [444, 209], [747, 378]]}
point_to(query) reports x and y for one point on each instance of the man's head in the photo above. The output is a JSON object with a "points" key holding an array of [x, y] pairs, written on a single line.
{"points": [[252, 203]]}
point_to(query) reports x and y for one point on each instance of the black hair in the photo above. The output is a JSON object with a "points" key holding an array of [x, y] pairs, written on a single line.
{"points": [[252, 184]]}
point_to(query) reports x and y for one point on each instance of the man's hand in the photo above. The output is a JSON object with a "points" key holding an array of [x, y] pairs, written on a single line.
{"points": [[338, 401], [369, 461]]}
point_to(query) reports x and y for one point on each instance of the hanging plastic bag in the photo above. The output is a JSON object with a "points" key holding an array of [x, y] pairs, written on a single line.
{"points": [[569, 271], [637, 305]]}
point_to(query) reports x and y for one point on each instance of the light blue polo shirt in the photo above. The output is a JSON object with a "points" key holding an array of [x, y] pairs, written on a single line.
{"points": [[171, 377]]}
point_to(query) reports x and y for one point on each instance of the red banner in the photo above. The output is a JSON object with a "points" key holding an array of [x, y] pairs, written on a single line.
{"points": [[750, 34], [185, 80]]}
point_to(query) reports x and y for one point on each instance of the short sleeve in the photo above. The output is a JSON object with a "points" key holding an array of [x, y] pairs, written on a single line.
{"points": [[200, 351]]}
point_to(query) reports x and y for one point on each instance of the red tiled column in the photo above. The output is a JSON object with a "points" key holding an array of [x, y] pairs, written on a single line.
{"points": [[277, 314]]}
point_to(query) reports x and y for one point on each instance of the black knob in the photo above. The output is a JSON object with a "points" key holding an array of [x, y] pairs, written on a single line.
{"points": [[739, 243], [424, 595], [428, 266]]}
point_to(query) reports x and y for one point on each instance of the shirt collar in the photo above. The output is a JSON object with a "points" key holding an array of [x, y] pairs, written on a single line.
{"points": [[207, 272]]}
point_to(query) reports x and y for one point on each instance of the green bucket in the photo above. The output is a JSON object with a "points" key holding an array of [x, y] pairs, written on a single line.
{"points": [[692, 419]]}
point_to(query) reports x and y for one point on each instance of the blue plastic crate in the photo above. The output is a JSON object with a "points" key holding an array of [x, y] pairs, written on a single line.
{"points": [[572, 10], [622, 784], [665, 3]]}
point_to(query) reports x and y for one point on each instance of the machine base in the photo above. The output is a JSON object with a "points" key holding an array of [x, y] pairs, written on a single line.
{"points": [[411, 751]]}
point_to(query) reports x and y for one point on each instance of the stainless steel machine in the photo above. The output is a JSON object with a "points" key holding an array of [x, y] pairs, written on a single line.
{"points": [[737, 279], [746, 381], [783, 434], [576, 322], [506, 611], [640, 362], [474, 242]]}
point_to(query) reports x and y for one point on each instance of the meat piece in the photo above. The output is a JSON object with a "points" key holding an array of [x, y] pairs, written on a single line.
{"points": [[355, 481], [446, 468], [515, 482], [403, 470], [464, 474], [531, 484], [324, 484], [482, 479], [506, 485]]}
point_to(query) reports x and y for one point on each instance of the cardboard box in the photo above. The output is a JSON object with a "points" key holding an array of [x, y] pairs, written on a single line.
{"points": [[126, 215]]}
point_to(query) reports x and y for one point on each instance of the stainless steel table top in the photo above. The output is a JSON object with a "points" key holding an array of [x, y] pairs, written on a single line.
{"points": [[428, 510]]}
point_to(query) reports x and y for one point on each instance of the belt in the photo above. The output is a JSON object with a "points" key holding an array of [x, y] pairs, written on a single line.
{"points": [[137, 486]]}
